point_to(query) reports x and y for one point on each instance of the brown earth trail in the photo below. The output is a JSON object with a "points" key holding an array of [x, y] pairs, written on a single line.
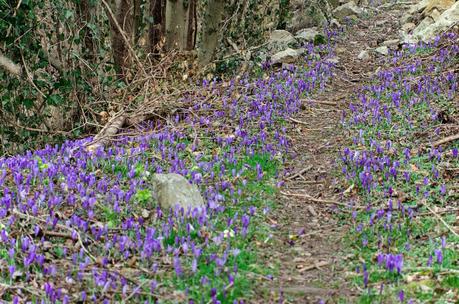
{"points": [[307, 241]]}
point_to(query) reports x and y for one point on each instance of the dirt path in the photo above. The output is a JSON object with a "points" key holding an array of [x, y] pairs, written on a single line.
{"points": [[308, 239]]}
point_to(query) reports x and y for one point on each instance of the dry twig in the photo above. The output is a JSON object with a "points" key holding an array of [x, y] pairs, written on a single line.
{"points": [[316, 200], [446, 140], [440, 219]]}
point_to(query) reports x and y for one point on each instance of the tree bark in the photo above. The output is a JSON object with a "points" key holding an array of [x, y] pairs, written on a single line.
{"points": [[120, 50], [192, 25], [177, 14], [137, 21], [156, 28], [88, 42], [210, 37]]}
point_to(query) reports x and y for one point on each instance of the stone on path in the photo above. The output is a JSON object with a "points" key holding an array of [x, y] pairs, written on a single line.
{"points": [[364, 55], [286, 56], [309, 13], [445, 21], [408, 27], [173, 189], [429, 18], [281, 37], [383, 50], [350, 10], [391, 43], [308, 34], [332, 60]]}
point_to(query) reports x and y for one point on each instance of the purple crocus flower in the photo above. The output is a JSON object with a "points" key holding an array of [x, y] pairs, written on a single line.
{"points": [[439, 256], [401, 296]]}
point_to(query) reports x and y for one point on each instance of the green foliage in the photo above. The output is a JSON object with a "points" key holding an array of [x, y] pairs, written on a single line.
{"points": [[49, 40], [283, 14]]}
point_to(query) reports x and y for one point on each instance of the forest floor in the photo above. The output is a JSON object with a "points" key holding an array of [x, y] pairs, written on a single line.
{"points": [[334, 180]]}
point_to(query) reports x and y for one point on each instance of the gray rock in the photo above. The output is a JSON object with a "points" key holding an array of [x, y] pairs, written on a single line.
{"points": [[423, 25], [173, 189], [426, 31], [279, 41], [307, 34], [364, 55], [408, 27], [383, 50], [281, 37], [349, 9], [332, 60], [335, 24], [286, 56], [391, 43], [435, 15], [309, 13], [418, 7]]}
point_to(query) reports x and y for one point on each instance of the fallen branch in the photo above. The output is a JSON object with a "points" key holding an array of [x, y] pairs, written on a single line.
{"points": [[299, 173], [328, 103], [110, 129], [21, 287], [134, 292], [316, 200], [439, 212], [440, 219], [445, 140], [80, 240], [315, 265], [298, 121]]}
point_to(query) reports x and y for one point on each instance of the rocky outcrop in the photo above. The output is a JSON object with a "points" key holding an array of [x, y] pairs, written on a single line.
{"points": [[307, 35], [281, 37], [382, 50], [364, 55], [445, 21], [436, 7], [348, 10], [309, 13], [286, 56], [429, 18]]}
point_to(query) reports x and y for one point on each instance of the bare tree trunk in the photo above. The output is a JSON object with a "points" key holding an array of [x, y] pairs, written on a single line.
{"points": [[209, 39], [88, 42], [137, 17], [192, 25], [156, 30], [124, 17], [177, 14]]}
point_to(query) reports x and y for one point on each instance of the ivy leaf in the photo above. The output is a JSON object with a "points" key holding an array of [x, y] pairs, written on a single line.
{"points": [[68, 14], [54, 99], [27, 102]]}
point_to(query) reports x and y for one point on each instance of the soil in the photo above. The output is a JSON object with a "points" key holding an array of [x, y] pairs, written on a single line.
{"points": [[308, 235]]}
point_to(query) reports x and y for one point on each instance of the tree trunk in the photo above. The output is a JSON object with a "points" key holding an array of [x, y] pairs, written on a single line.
{"points": [[124, 17], [156, 29], [210, 37], [137, 17], [192, 25], [177, 14], [89, 51]]}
